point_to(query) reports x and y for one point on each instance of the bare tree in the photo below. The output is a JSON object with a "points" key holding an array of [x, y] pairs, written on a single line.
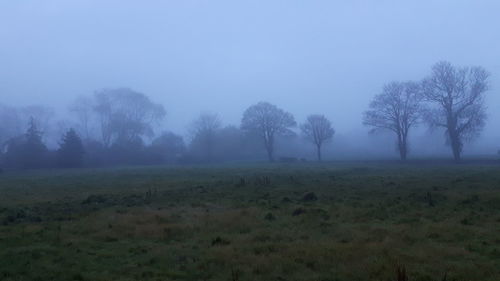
{"points": [[83, 109], [204, 130], [318, 129], [126, 115], [396, 109], [11, 125], [267, 121], [104, 112], [458, 98]]}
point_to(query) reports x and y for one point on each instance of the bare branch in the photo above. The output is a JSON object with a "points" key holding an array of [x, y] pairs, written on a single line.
{"points": [[396, 109], [267, 121], [458, 96], [318, 129]]}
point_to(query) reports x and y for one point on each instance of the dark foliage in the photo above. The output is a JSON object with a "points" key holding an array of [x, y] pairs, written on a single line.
{"points": [[71, 151], [167, 148], [27, 151]]}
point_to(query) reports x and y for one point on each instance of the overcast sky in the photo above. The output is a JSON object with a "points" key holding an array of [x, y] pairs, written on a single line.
{"points": [[325, 57]]}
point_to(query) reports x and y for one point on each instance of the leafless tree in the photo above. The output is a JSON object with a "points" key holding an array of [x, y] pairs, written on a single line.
{"points": [[103, 110], [204, 130], [83, 109], [318, 129], [126, 115], [396, 109], [457, 96], [11, 125], [267, 121]]}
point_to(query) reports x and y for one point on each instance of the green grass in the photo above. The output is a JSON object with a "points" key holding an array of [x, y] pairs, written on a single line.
{"points": [[251, 222]]}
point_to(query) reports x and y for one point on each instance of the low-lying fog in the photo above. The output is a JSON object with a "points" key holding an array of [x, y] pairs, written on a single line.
{"points": [[193, 57]]}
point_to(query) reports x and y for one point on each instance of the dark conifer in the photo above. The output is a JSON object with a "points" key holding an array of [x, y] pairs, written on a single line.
{"points": [[71, 151]]}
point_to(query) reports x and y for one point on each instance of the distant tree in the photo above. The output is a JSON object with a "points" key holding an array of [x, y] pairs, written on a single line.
{"points": [[83, 110], [35, 149], [229, 145], [267, 121], [14, 120], [127, 152], [457, 96], [14, 155], [95, 153], [11, 125], [396, 109], [125, 115], [27, 151], [318, 129], [168, 147], [204, 130], [71, 150], [42, 116]]}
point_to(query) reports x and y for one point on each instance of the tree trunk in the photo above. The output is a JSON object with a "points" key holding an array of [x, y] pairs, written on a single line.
{"points": [[318, 151], [402, 153], [208, 152], [456, 147], [270, 155], [269, 143], [455, 142], [403, 150], [270, 151]]}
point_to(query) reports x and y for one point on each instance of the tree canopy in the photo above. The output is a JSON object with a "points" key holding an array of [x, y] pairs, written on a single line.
{"points": [[267, 121]]}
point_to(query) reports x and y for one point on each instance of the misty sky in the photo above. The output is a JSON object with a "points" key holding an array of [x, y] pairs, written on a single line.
{"points": [[325, 57]]}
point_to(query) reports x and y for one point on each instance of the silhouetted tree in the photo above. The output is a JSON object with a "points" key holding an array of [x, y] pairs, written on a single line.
{"points": [[204, 130], [27, 151], [71, 151], [267, 121], [35, 149], [11, 125], [14, 120], [14, 152], [126, 115], [458, 98], [168, 148], [41, 115], [127, 151], [229, 144], [83, 109], [95, 153], [318, 129], [396, 109]]}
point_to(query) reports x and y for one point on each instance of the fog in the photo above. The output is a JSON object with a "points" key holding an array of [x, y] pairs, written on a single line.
{"points": [[325, 57]]}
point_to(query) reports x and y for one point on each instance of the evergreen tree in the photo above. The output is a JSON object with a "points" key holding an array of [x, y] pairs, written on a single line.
{"points": [[34, 148], [71, 151], [27, 151]]}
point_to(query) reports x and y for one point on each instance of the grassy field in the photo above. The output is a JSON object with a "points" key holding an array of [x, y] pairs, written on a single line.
{"points": [[321, 222]]}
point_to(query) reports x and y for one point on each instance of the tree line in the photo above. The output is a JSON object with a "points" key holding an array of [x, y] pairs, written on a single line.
{"points": [[120, 126], [451, 98]]}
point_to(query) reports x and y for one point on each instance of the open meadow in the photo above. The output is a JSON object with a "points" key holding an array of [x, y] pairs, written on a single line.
{"points": [[303, 221]]}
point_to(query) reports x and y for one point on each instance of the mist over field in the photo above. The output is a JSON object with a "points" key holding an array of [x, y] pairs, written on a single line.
{"points": [[315, 57], [249, 140]]}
